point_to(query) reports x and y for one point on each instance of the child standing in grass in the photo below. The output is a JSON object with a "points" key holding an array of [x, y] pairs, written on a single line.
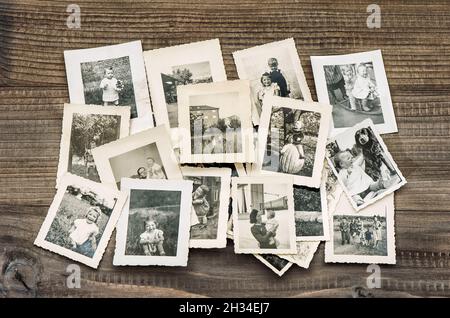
{"points": [[111, 87], [201, 205], [84, 231]]}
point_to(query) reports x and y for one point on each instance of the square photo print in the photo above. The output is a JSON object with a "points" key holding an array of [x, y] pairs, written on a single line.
{"points": [[263, 215], [292, 137], [366, 236], [363, 165], [111, 76], [215, 123], [81, 219], [357, 87], [272, 69], [86, 127], [154, 226]]}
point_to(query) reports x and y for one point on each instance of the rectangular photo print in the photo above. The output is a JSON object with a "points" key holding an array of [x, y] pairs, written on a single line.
{"points": [[154, 226], [263, 215], [311, 213], [305, 253], [111, 76], [210, 201], [363, 165], [215, 123], [86, 127], [272, 69], [277, 264], [357, 87], [144, 155], [81, 219], [366, 236], [170, 67], [292, 136]]}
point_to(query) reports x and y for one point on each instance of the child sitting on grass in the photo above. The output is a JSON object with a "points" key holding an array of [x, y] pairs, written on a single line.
{"points": [[152, 240], [111, 87], [84, 231]]}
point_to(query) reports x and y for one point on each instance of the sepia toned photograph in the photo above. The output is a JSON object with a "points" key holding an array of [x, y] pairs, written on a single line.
{"points": [[86, 127], [111, 76], [357, 87], [366, 236], [154, 226], [311, 213], [80, 220], [174, 66], [273, 69], [144, 155], [305, 253], [362, 164], [210, 201], [292, 138], [216, 123], [263, 215], [277, 264]]}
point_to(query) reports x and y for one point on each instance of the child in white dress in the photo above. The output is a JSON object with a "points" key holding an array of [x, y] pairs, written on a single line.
{"points": [[111, 87], [268, 87], [84, 231], [364, 89]]}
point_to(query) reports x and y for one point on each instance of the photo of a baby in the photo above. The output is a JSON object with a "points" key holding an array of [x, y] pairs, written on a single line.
{"points": [[152, 240], [362, 164]]}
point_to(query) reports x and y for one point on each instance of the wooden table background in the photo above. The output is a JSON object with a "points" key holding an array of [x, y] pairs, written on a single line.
{"points": [[415, 40]]}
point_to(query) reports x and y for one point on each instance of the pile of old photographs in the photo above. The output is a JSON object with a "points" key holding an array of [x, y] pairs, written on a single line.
{"points": [[254, 160]]}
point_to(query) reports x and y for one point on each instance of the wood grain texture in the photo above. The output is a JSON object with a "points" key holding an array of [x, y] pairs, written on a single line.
{"points": [[415, 40]]}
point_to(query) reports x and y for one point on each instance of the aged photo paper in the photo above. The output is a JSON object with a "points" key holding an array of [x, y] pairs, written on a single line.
{"points": [[81, 219], [153, 228]]}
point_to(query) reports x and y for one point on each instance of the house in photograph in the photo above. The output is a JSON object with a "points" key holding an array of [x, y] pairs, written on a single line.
{"points": [[253, 197], [207, 114]]}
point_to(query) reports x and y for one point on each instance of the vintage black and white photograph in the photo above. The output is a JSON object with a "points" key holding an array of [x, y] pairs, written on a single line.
{"points": [[86, 127], [357, 87], [311, 213], [111, 76], [144, 155], [263, 215], [277, 264], [81, 219], [210, 202], [332, 187], [273, 69], [215, 122], [364, 167], [305, 253], [366, 236], [170, 67], [292, 138], [154, 226]]}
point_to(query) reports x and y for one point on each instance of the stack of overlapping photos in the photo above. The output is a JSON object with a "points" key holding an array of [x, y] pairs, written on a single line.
{"points": [[255, 160]]}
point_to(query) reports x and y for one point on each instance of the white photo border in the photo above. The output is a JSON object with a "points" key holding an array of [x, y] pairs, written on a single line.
{"points": [[242, 87], [325, 111], [127, 184], [74, 58], [289, 46], [273, 268], [364, 124], [225, 182], [387, 204], [300, 261], [65, 181], [291, 225], [158, 135], [68, 113], [317, 64]]}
